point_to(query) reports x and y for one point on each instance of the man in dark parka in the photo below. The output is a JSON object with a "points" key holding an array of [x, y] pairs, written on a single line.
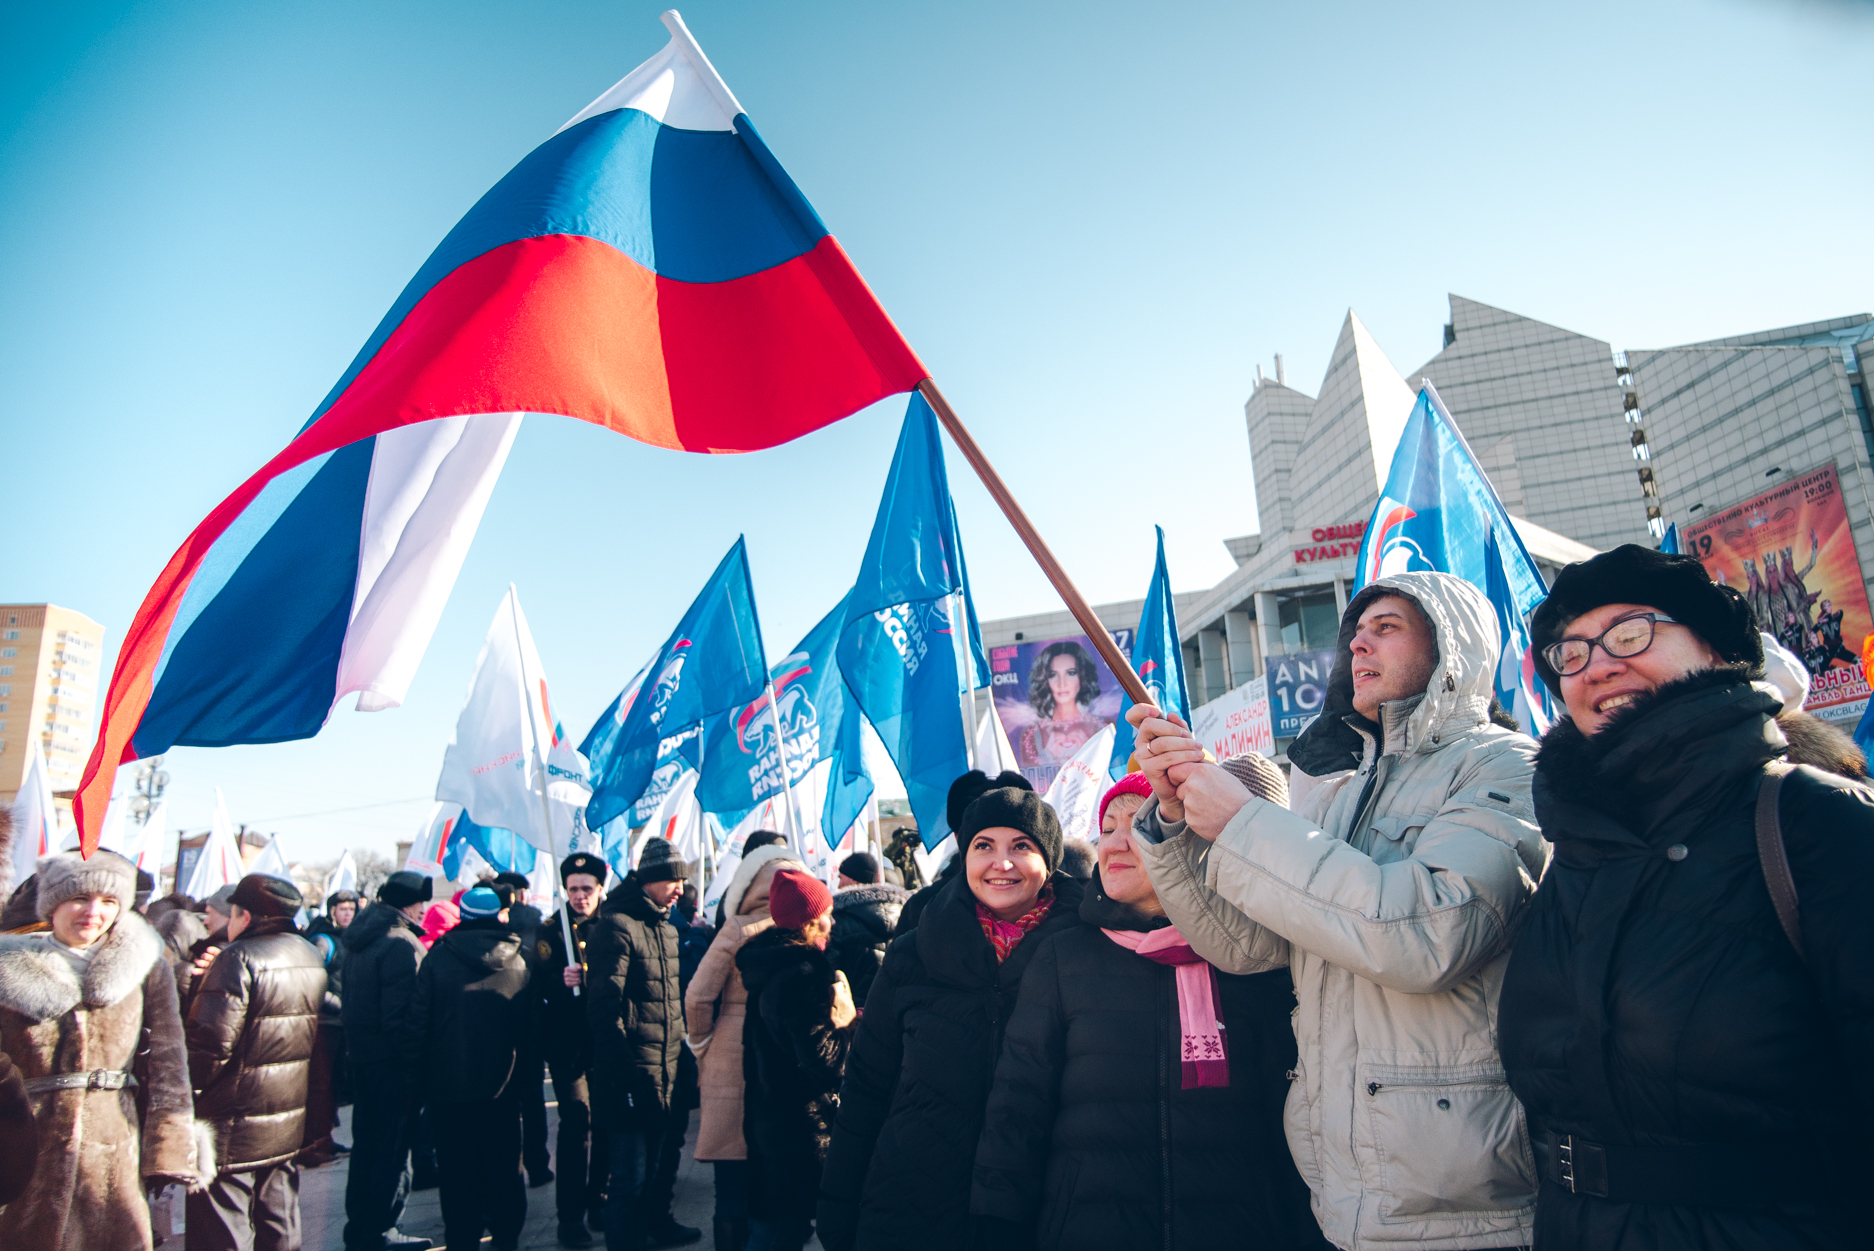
{"points": [[383, 947], [634, 1006], [470, 1023]]}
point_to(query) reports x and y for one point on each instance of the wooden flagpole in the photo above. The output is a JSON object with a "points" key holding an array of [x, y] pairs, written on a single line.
{"points": [[1076, 603]]}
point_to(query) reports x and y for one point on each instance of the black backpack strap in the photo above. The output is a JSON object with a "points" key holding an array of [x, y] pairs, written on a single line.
{"points": [[1774, 856]]}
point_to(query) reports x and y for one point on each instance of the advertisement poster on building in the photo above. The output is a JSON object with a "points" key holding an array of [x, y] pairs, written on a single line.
{"points": [[1053, 696], [1792, 554], [1297, 689], [1236, 721]]}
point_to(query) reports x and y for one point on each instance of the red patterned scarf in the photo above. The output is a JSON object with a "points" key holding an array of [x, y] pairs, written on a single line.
{"points": [[1004, 936]]}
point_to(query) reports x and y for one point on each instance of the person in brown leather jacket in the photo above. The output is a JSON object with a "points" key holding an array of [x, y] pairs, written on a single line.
{"points": [[252, 1028]]}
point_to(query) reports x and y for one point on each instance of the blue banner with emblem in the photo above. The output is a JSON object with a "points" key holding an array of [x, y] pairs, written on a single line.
{"points": [[1439, 512]]}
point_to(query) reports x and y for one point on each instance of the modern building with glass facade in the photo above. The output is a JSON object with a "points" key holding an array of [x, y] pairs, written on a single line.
{"points": [[1587, 446]]}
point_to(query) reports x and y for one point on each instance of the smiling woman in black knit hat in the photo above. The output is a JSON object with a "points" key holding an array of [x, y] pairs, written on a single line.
{"points": [[917, 1080], [1681, 1044]]}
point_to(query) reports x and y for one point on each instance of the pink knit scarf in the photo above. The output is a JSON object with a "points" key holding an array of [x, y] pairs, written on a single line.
{"points": [[1200, 1017]]}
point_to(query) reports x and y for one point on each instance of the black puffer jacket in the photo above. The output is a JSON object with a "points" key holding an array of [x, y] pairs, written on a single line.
{"points": [[1653, 1006], [911, 1111], [382, 951], [864, 918], [472, 1016], [792, 1060], [1091, 1140], [634, 1007], [252, 1028]]}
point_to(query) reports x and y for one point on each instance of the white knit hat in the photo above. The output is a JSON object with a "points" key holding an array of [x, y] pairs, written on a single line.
{"points": [[68, 875]]}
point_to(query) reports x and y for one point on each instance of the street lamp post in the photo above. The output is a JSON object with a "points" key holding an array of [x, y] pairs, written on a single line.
{"points": [[151, 780]]}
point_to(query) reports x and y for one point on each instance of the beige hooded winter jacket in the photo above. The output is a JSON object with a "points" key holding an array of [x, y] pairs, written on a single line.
{"points": [[1392, 891]]}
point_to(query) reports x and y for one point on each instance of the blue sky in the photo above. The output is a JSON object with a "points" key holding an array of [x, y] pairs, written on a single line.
{"points": [[1092, 220]]}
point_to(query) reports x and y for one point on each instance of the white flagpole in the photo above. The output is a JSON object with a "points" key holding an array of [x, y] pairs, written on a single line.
{"points": [[780, 746], [960, 648], [540, 766]]}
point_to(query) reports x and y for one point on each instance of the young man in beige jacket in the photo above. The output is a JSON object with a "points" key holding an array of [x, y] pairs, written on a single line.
{"points": [[1391, 888]]}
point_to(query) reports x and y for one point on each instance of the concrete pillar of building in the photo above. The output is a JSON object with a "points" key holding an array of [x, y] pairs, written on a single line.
{"points": [[1340, 597], [1210, 645], [1239, 635], [1269, 625]]}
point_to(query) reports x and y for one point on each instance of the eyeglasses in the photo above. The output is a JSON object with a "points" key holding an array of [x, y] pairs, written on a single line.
{"points": [[1627, 637]]}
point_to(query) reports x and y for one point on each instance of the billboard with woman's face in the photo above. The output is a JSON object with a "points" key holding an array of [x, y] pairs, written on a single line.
{"points": [[1053, 695]]}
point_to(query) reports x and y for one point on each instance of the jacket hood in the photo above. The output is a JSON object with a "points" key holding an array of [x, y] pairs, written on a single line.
{"points": [[1457, 696], [372, 924], [486, 941], [39, 983], [873, 893], [773, 952]]}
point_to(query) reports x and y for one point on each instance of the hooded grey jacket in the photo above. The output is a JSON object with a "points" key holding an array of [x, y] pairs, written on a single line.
{"points": [[1392, 890]]}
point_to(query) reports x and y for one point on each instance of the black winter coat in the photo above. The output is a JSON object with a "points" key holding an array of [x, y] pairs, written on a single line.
{"points": [[634, 1007], [382, 951], [472, 1016], [560, 1016], [1091, 1140], [864, 919], [251, 1029], [321, 928], [1653, 1004], [792, 1060], [911, 1111]]}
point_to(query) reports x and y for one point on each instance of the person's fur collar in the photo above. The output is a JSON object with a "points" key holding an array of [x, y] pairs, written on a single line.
{"points": [[41, 984], [745, 874], [869, 893]]}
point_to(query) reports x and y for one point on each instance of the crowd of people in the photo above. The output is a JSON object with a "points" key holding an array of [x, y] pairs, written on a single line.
{"points": [[1435, 985]]}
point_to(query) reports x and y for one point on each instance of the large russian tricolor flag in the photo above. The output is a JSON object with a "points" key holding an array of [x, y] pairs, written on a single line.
{"points": [[650, 268]]}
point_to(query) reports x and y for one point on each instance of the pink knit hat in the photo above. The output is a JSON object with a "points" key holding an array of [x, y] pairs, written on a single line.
{"points": [[1131, 784], [795, 898]]}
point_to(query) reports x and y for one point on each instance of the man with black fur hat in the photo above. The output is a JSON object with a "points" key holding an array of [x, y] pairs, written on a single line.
{"points": [[1692, 993], [252, 1030], [634, 1007], [865, 915], [525, 918], [565, 1040], [382, 949]]}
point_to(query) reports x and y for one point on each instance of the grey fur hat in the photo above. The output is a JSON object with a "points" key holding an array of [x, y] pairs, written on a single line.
{"points": [[68, 875]]}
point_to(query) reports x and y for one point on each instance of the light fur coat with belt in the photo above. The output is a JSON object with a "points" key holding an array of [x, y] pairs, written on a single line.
{"points": [[716, 1005], [87, 1193], [1392, 891]]}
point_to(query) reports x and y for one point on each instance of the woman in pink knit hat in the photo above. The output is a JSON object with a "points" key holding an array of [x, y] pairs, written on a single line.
{"points": [[794, 1044], [1138, 1101]]}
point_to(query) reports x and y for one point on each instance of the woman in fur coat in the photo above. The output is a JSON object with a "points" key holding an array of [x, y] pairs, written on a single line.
{"points": [[715, 1008], [88, 1013]]}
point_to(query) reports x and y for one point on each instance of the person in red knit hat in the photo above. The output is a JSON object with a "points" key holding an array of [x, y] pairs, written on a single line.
{"points": [[794, 1044]]}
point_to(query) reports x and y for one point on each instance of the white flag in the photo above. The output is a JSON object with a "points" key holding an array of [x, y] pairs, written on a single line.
{"points": [[219, 863], [506, 733], [118, 834], [678, 818], [993, 752], [35, 820], [432, 841], [344, 876], [155, 839], [272, 861], [766, 815], [1075, 793]]}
